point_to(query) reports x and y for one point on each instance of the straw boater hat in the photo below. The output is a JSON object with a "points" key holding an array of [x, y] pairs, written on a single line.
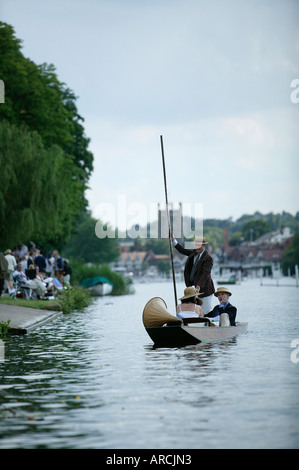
{"points": [[199, 241], [190, 292], [223, 290]]}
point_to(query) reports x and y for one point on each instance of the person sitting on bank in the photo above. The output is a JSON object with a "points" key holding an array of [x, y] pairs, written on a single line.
{"points": [[224, 307], [34, 284], [58, 266], [190, 306]]}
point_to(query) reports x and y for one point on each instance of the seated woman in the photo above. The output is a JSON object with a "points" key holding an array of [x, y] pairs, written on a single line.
{"points": [[190, 306], [224, 306], [53, 285], [35, 284]]}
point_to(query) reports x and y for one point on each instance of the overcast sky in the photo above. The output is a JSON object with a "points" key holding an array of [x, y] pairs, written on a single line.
{"points": [[212, 76]]}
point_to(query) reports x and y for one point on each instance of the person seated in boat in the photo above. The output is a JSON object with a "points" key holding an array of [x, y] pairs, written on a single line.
{"points": [[190, 306], [224, 306]]}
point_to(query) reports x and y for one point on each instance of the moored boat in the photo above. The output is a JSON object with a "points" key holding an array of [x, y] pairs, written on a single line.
{"points": [[166, 330], [98, 285], [230, 280], [222, 283]]}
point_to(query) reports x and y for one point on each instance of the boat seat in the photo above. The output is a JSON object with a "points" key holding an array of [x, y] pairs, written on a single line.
{"points": [[195, 320], [173, 323]]}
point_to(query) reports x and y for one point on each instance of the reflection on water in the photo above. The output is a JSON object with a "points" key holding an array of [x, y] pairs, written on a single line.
{"points": [[93, 379]]}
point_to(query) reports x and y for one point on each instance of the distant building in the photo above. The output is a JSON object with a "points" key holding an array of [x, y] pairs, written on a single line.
{"points": [[265, 253], [131, 262]]}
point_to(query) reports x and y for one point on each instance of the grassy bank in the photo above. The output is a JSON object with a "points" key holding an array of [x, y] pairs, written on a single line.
{"points": [[68, 301], [39, 304]]}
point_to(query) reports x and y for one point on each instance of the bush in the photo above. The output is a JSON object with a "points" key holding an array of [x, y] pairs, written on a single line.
{"points": [[4, 327], [291, 256], [74, 299], [121, 286]]}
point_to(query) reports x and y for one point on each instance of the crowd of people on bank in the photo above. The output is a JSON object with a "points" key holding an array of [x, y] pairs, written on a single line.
{"points": [[32, 273]]}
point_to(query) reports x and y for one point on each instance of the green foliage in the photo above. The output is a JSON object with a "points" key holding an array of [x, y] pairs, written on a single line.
{"points": [[70, 300], [34, 96], [163, 266], [247, 227], [121, 286], [214, 236], [84, 243], [244, 228], [275, 221], [160, 246], [32, 303], [291, 256], [74, 299], [34, 202], [44, 158], [4, 327], [255, 228]]}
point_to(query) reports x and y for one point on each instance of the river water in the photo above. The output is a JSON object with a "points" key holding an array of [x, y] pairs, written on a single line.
{"points": [[92, 379]]}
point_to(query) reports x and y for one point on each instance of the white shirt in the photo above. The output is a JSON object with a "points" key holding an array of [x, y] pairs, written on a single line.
{"points": [[187, 313], [11, 261]]}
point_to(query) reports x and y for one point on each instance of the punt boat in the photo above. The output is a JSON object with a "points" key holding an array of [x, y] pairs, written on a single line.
{"points": [[166, 330]]}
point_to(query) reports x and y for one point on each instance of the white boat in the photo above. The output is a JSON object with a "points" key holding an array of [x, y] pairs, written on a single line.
{"points": [[98, 285], [101, 289], [166, 330]]}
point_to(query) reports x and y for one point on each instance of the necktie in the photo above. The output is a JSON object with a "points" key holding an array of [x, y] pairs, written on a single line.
{"points": [[196, 258]]}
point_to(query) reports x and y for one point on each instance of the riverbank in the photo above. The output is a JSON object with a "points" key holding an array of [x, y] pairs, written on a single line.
{"points": [[22, 320], [19, 316], [32, 303]]}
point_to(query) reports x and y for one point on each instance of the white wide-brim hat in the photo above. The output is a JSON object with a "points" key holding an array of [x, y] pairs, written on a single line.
{"points": [[223, 290], [190, 292]]}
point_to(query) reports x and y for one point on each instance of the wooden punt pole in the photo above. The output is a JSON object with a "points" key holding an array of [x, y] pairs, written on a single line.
{"points": [[168, 221]]}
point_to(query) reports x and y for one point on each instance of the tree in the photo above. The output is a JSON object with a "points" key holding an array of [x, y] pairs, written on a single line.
{"points": [[160, 246], [85, 245], [163, 266], [39, 196], [35, 97], [236, 239], [45, 161], [291, 256], [214, 236], [255, 228]]}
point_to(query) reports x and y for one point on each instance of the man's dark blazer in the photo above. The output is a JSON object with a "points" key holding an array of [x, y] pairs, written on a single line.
{"points": [[229, 309], [202, 275]]}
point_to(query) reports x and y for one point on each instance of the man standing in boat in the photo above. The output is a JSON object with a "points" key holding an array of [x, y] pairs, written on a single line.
{"points": [[198, 269]]}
